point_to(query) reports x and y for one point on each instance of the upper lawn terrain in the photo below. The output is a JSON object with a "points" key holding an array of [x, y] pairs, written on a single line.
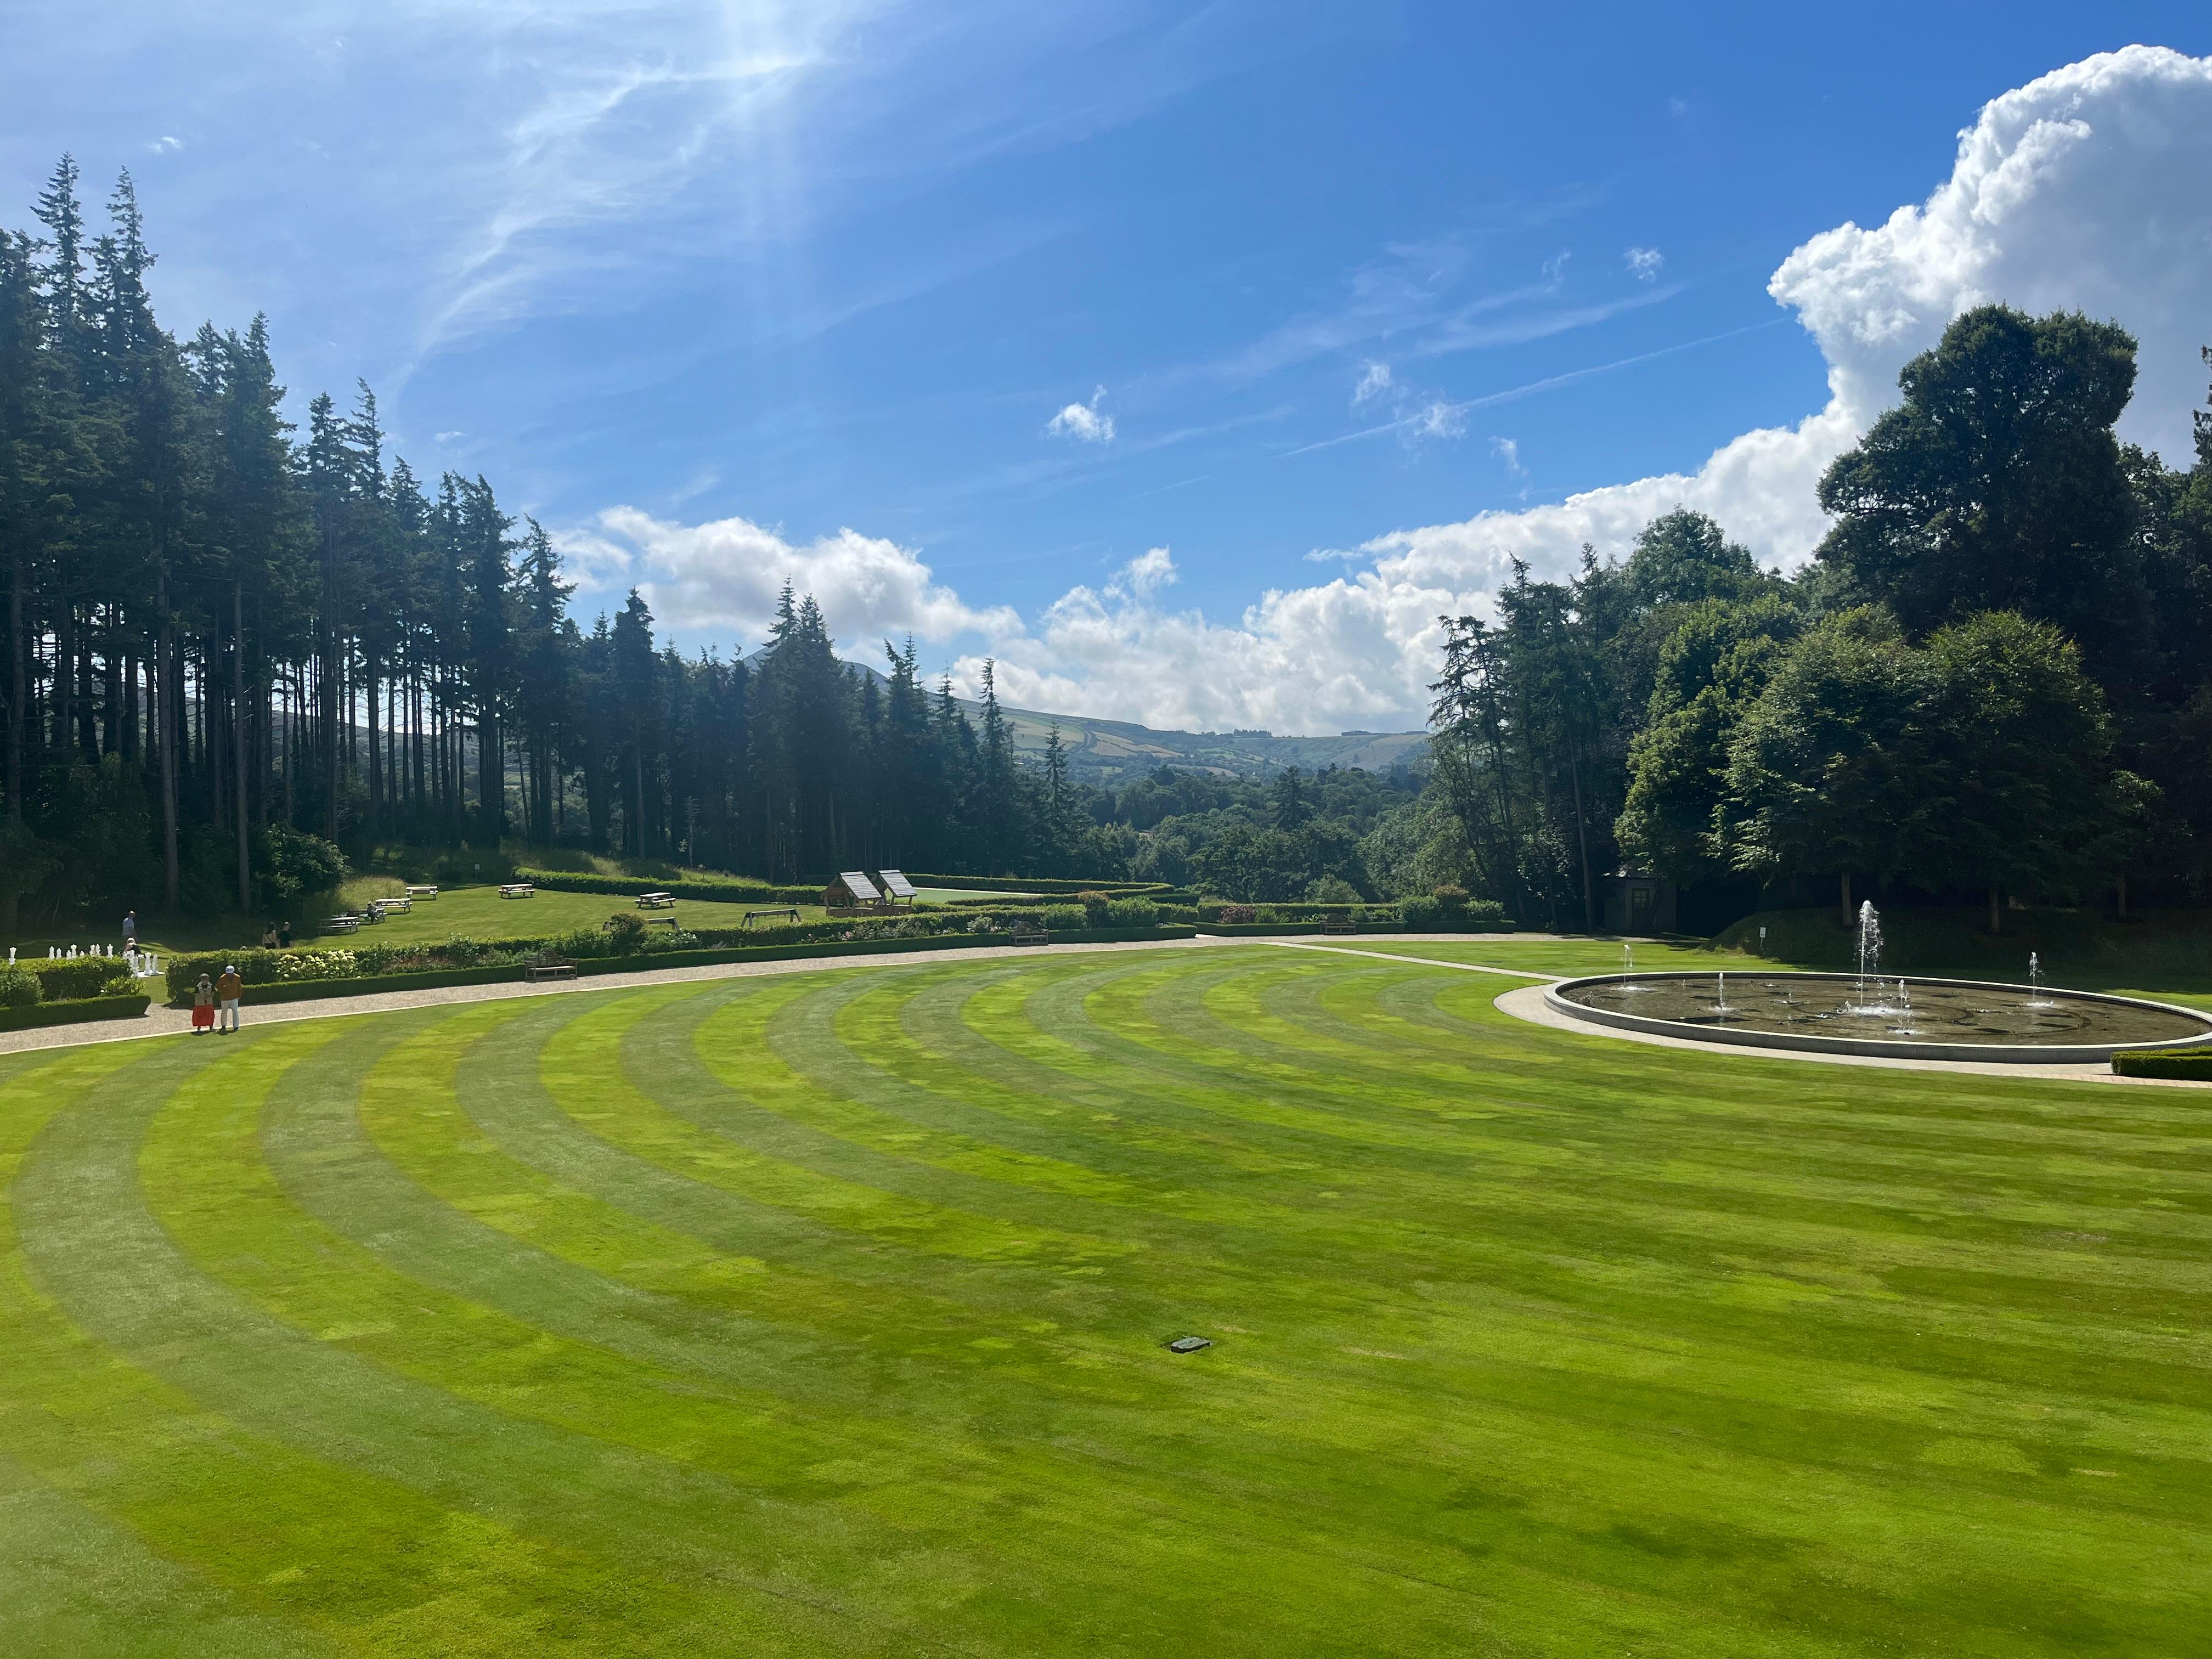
{"points": [[824, 1313]]}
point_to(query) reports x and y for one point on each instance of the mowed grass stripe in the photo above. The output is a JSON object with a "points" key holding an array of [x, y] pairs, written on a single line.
{"points": [[235, 1222], [339, 1551], [1610, 1358]]}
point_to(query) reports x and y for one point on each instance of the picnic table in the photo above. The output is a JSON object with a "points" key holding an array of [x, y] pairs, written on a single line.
{"points": [[656, 901], [348, 923], [426, 892], [791, 912], [517, 890]]}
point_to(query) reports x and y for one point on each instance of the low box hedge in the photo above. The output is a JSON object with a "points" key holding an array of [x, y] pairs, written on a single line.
{"points": [[647, 960], [1042, 885], [729, 892], [128, 1006], [2186, 1065]]}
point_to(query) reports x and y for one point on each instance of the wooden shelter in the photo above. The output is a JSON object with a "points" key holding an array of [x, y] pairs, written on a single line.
{"points": [[851, 892], [897, 889]]}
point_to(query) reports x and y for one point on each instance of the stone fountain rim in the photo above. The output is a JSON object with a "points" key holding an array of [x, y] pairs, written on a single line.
{"points": [[2039, 1054]]}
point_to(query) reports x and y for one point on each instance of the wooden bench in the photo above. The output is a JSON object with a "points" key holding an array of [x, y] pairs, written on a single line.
{"points": [[517, 890], [423, 893], [656, 901], [791, 914], [660, 921], [1339, 925], [1031, 936], [543, 970]]}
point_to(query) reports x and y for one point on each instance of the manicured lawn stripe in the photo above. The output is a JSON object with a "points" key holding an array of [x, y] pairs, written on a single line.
{"points": [[825, 1315]]}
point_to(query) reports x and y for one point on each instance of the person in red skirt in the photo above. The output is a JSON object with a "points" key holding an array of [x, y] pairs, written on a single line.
{"points": [[203, 1005]]}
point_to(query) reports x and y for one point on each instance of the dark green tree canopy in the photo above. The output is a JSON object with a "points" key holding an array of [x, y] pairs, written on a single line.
{"points": [[1997, 484]]}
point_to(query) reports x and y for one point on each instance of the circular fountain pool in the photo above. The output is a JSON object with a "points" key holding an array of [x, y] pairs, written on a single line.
{"points": [[1913, 1018]]}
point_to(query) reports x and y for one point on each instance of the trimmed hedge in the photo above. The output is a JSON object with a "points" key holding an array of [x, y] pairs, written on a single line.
{"points": [[647, 960], [75, 1012], [66, 979], [1284, 929], [2188, 1065], [733, 892], [1151, 890]]}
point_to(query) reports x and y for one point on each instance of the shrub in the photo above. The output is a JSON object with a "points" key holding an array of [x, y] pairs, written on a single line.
{"points": [[70, 978], [290, 864], [625, 932], [1237, 915], [2188, 1065], [1095, 908], [1421, 911], [1451, 898], [1133, 912], [1063, 918], [983, 925], [1333, 890], [298, 965], [18, 989]]}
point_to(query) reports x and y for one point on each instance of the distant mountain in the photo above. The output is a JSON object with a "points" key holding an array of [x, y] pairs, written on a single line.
{"points": [[1101, 751]]}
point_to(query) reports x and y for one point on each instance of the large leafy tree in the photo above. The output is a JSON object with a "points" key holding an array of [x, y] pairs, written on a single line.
{"points": [[1831, 769], [1997, 484], [1711, 669]]}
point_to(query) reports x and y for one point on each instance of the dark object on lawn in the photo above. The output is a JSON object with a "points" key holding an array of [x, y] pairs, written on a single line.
{"points": [[1188, 1345]]}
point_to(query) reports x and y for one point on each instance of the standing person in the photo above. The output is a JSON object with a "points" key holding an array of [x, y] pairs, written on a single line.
{"points": [[130, 932], [269, 937], [229, 987], [284, 934], [202, 1006]]}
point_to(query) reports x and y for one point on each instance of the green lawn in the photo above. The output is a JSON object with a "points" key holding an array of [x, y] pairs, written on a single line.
{"points": [[824, 1313], [481, 912]]}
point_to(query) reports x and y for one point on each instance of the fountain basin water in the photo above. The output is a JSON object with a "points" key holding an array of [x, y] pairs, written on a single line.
{"points": [[1924, 1019]]}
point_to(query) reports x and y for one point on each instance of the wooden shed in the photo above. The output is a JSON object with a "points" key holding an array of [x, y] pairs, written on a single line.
{"points": [[852, 890]]}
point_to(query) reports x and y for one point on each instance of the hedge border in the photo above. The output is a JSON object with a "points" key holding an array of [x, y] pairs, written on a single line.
{"points": [[717, 892], [2181, 1065], [1044, 886], [311, 990], [78, 1012]]}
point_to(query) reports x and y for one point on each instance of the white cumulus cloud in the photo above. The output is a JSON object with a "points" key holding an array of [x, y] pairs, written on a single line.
{"points": [[2081, 189], [1083, 422], [722, 578], [1644, 263]]}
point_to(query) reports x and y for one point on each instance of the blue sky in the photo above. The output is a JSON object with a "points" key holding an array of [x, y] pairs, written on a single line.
{"points": [[703, 286]]}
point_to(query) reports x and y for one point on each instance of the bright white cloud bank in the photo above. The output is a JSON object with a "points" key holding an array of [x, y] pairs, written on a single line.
{"points": [[2084, 190]]}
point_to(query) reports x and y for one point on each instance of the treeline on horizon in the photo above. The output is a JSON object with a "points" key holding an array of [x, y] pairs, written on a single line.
{"points": [[234, 649], [1994, 680], [231, 650]]}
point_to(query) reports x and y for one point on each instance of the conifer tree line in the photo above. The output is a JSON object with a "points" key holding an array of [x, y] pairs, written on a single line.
{"points": [[233, 646], [1994, 681]]}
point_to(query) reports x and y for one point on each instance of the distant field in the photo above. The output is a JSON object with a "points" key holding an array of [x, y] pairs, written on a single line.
{"points": [[825, 1315]]}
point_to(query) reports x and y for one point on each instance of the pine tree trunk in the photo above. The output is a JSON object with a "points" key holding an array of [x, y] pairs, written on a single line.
{"points": [[165, 716], [1996, 911], [19, 695], [1847, 897], [238, 741]]}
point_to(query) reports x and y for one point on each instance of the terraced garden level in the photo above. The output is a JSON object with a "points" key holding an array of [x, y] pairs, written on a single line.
{"points": [[827, 1314]]}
